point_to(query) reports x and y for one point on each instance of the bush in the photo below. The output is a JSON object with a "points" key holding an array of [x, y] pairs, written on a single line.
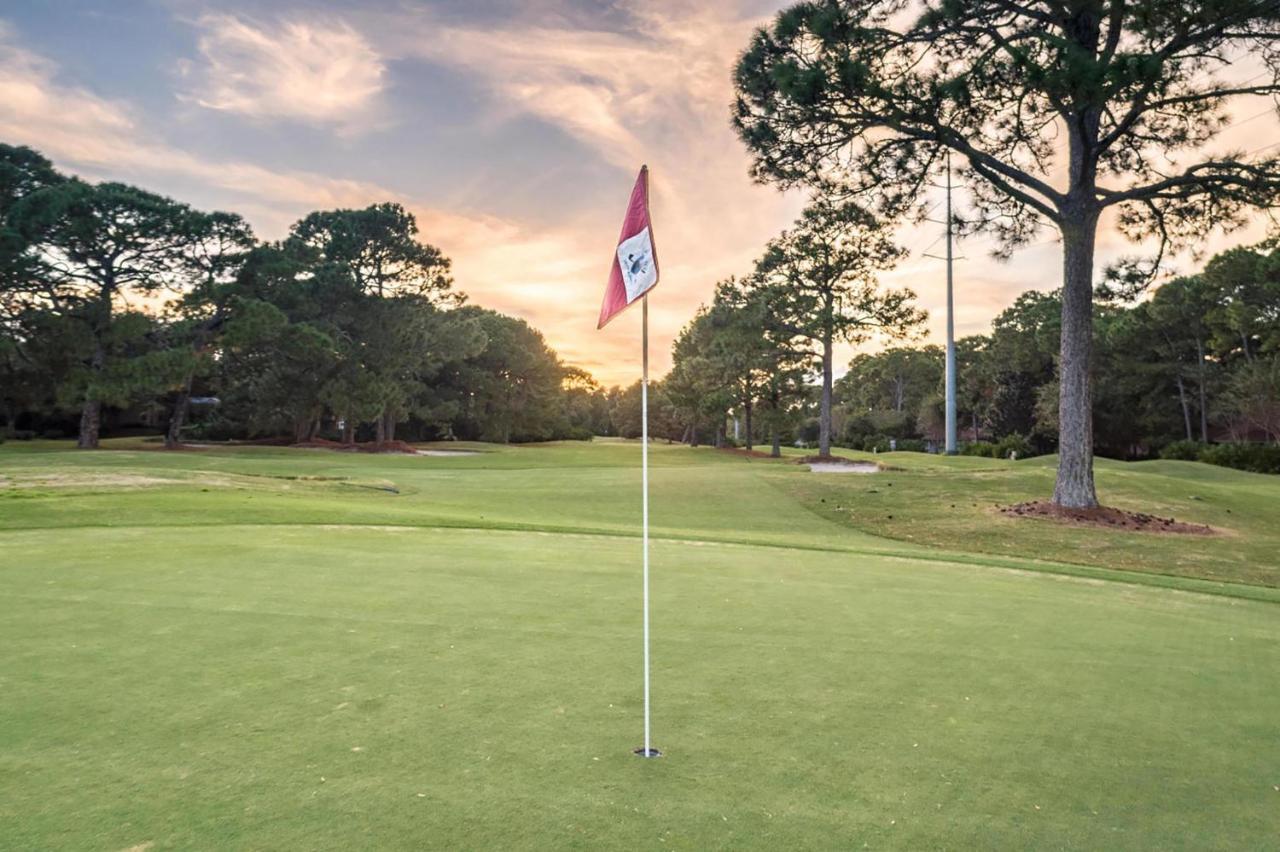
{"points": [[1014, 443], [911, 445], [53, 434], [216, 429], [1183, 451], [876, 444], [1258, 458], [979, 448]]}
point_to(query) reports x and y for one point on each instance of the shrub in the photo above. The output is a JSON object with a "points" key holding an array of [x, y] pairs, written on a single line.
{"points": [[876, 444], [978, 448], [911, 445], [1014, 443], [808, 432], [1258, 458], [1183, 451]]}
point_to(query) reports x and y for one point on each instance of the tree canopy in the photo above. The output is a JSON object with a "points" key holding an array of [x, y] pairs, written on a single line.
{"points": [[114, 299]]}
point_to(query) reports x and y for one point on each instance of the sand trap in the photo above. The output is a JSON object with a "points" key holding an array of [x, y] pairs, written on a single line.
{"points": [[448, 453], [844, 467]]}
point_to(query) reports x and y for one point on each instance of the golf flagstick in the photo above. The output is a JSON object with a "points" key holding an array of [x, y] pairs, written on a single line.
{"points": [[633, 272], [644, 512]]}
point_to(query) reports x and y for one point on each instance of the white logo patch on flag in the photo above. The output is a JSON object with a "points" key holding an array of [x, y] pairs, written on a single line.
{"points": [[639, 272]]}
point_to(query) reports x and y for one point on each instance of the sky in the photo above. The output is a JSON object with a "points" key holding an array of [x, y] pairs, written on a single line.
{"points": [[512, 129]]}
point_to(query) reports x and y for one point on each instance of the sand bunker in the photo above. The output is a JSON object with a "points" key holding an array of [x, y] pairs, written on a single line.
{"points": [[448, 453], [844, 467]]}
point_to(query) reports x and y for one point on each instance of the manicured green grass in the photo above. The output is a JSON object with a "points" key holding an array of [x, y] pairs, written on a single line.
{"points": [[951, 503], [260, 648]]}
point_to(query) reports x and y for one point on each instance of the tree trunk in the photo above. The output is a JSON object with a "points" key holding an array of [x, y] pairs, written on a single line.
{"points": [[693, 436], [824, 415], [720, 436], [181, 407], [1074, 488], [91, 410], [1204, 408], [100, 326], [776, 440], [1186, 410], [380, 430], [747, 411], [348, 431], [390, 430], [974, 414], [90, 422], [173, 437]]}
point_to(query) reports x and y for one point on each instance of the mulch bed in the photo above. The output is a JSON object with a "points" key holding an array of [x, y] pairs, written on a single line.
{"points": [[834, 460], [1105, 516], [370, 447], [823, 459], [740, 451]]}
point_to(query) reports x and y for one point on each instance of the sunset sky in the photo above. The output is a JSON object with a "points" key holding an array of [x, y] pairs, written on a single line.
{"points": [[513, 130]]}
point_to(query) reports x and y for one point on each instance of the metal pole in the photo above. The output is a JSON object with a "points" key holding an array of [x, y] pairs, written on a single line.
{"points": [[951, 332], [644, 490]]}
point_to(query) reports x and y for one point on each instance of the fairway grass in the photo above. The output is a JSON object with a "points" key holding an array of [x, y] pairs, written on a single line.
{"points": [[259, 648]]}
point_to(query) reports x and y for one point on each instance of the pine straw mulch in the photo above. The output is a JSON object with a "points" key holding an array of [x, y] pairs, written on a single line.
{"points": [[1107, 518], [742, 451], [368, 447], [831, 460]]}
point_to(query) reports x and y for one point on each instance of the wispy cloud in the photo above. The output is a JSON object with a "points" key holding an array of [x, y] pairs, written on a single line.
{"points": [[319, 70]]}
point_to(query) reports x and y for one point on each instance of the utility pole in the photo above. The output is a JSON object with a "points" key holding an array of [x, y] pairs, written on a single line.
{"points": [[951, 332]]}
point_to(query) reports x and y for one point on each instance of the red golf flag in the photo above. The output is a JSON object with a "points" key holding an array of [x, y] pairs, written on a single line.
{"points": [[635, 263]]}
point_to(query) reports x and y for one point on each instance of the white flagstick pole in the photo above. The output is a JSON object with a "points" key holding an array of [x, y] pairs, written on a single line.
{"points": [[644, 490]]}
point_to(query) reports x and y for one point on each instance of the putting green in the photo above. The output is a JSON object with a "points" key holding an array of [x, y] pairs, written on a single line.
{"points": [[401, 652]]}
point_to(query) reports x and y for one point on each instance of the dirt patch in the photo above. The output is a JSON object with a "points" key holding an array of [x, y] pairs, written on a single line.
{"points": [[85, 480], [1106, 517]]}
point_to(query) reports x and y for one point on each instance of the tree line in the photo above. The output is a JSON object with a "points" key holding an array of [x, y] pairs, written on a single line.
{"points": [[1196, 361], [756, 347], [117, 303]]}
